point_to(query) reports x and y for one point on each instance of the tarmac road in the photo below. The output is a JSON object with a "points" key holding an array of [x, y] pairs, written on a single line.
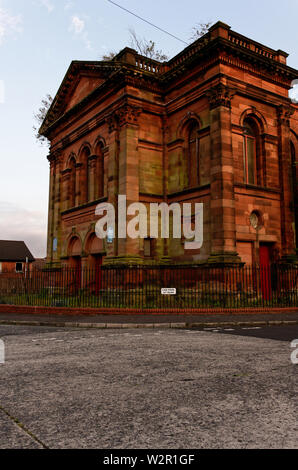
{"points": [[281, 333], [148, 388]]}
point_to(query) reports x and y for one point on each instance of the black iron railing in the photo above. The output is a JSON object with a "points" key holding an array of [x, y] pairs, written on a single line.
{"points": [[148, 287]]}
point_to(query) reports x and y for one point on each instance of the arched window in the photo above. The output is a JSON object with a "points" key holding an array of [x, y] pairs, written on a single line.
{"points": [[99, 172], [85, 182], [90, 179], [193, 155], [72, 183], [251, 153]]}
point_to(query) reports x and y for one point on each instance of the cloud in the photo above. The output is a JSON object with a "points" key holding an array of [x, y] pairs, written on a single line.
{"points": [[47, 3], [17, 223], [87, 41], [293, 92], [77, 25], [9, 24]]}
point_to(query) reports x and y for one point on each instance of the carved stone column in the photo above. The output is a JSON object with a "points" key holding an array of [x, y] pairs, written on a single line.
{"points": [[222, 204], [112, 159], [286, 203], [51, 209], [129, 172], [56, 210]]}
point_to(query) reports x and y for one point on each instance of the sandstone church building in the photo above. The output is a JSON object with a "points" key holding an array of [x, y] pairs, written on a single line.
{"points": [[213, 125]]}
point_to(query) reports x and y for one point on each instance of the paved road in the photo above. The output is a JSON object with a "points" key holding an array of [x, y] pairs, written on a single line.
{"points": [[280, 333], [68, 388]]}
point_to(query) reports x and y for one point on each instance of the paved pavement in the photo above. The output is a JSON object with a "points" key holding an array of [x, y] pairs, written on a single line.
{"points": [[147, 388], [145, 319]]}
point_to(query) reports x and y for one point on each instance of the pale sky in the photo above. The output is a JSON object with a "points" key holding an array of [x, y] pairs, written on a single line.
{"points": [[39, 39]]}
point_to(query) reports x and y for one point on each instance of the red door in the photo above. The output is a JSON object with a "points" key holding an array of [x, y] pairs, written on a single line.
{"points": [[265, 271]]}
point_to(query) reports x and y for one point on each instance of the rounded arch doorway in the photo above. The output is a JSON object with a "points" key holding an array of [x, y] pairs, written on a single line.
{"points": [[75, 262], [95, 250]]}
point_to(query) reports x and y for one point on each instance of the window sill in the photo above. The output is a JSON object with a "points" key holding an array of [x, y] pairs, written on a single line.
{"points": [[83, 206], [259, 188]]}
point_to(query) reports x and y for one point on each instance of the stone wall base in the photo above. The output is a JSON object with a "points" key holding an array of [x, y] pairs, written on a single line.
{"points": [[20, 309]]}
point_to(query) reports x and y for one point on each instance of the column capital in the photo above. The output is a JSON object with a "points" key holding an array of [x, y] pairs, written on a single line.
{"points": [[54, 157], [128, 114], [220, 95], [284, 113], [125, 114], [112, 122]]}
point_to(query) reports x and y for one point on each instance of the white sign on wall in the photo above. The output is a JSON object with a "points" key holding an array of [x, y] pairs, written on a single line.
{"points": [[168, 291]]}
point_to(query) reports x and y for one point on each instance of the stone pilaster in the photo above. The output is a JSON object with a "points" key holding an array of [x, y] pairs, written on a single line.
{"points": [[165, 165], [56, 221], [287, 214], [222, 204], [129, 170], [113, 175], [51, 209]]}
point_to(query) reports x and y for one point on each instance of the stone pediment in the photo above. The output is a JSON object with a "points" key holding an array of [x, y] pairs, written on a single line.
{"points": [[84, 86], [81, 79]]}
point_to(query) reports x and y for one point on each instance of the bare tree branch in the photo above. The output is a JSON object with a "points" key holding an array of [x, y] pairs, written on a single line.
{"points": [[146, 48], [109, 55], [39, 118], [199, 30]]}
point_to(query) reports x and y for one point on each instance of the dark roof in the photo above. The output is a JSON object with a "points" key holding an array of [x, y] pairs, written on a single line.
{"points": [[14, 251]]}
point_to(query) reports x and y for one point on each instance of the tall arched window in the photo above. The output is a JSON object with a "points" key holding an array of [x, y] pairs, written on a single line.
{"points": [[193, 155], [250, 152], [99, 172], [85, 182], [72, 182], [90, 179]]}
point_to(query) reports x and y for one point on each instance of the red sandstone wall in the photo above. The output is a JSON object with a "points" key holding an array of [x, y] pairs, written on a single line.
{"points": [[146, 156]]}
